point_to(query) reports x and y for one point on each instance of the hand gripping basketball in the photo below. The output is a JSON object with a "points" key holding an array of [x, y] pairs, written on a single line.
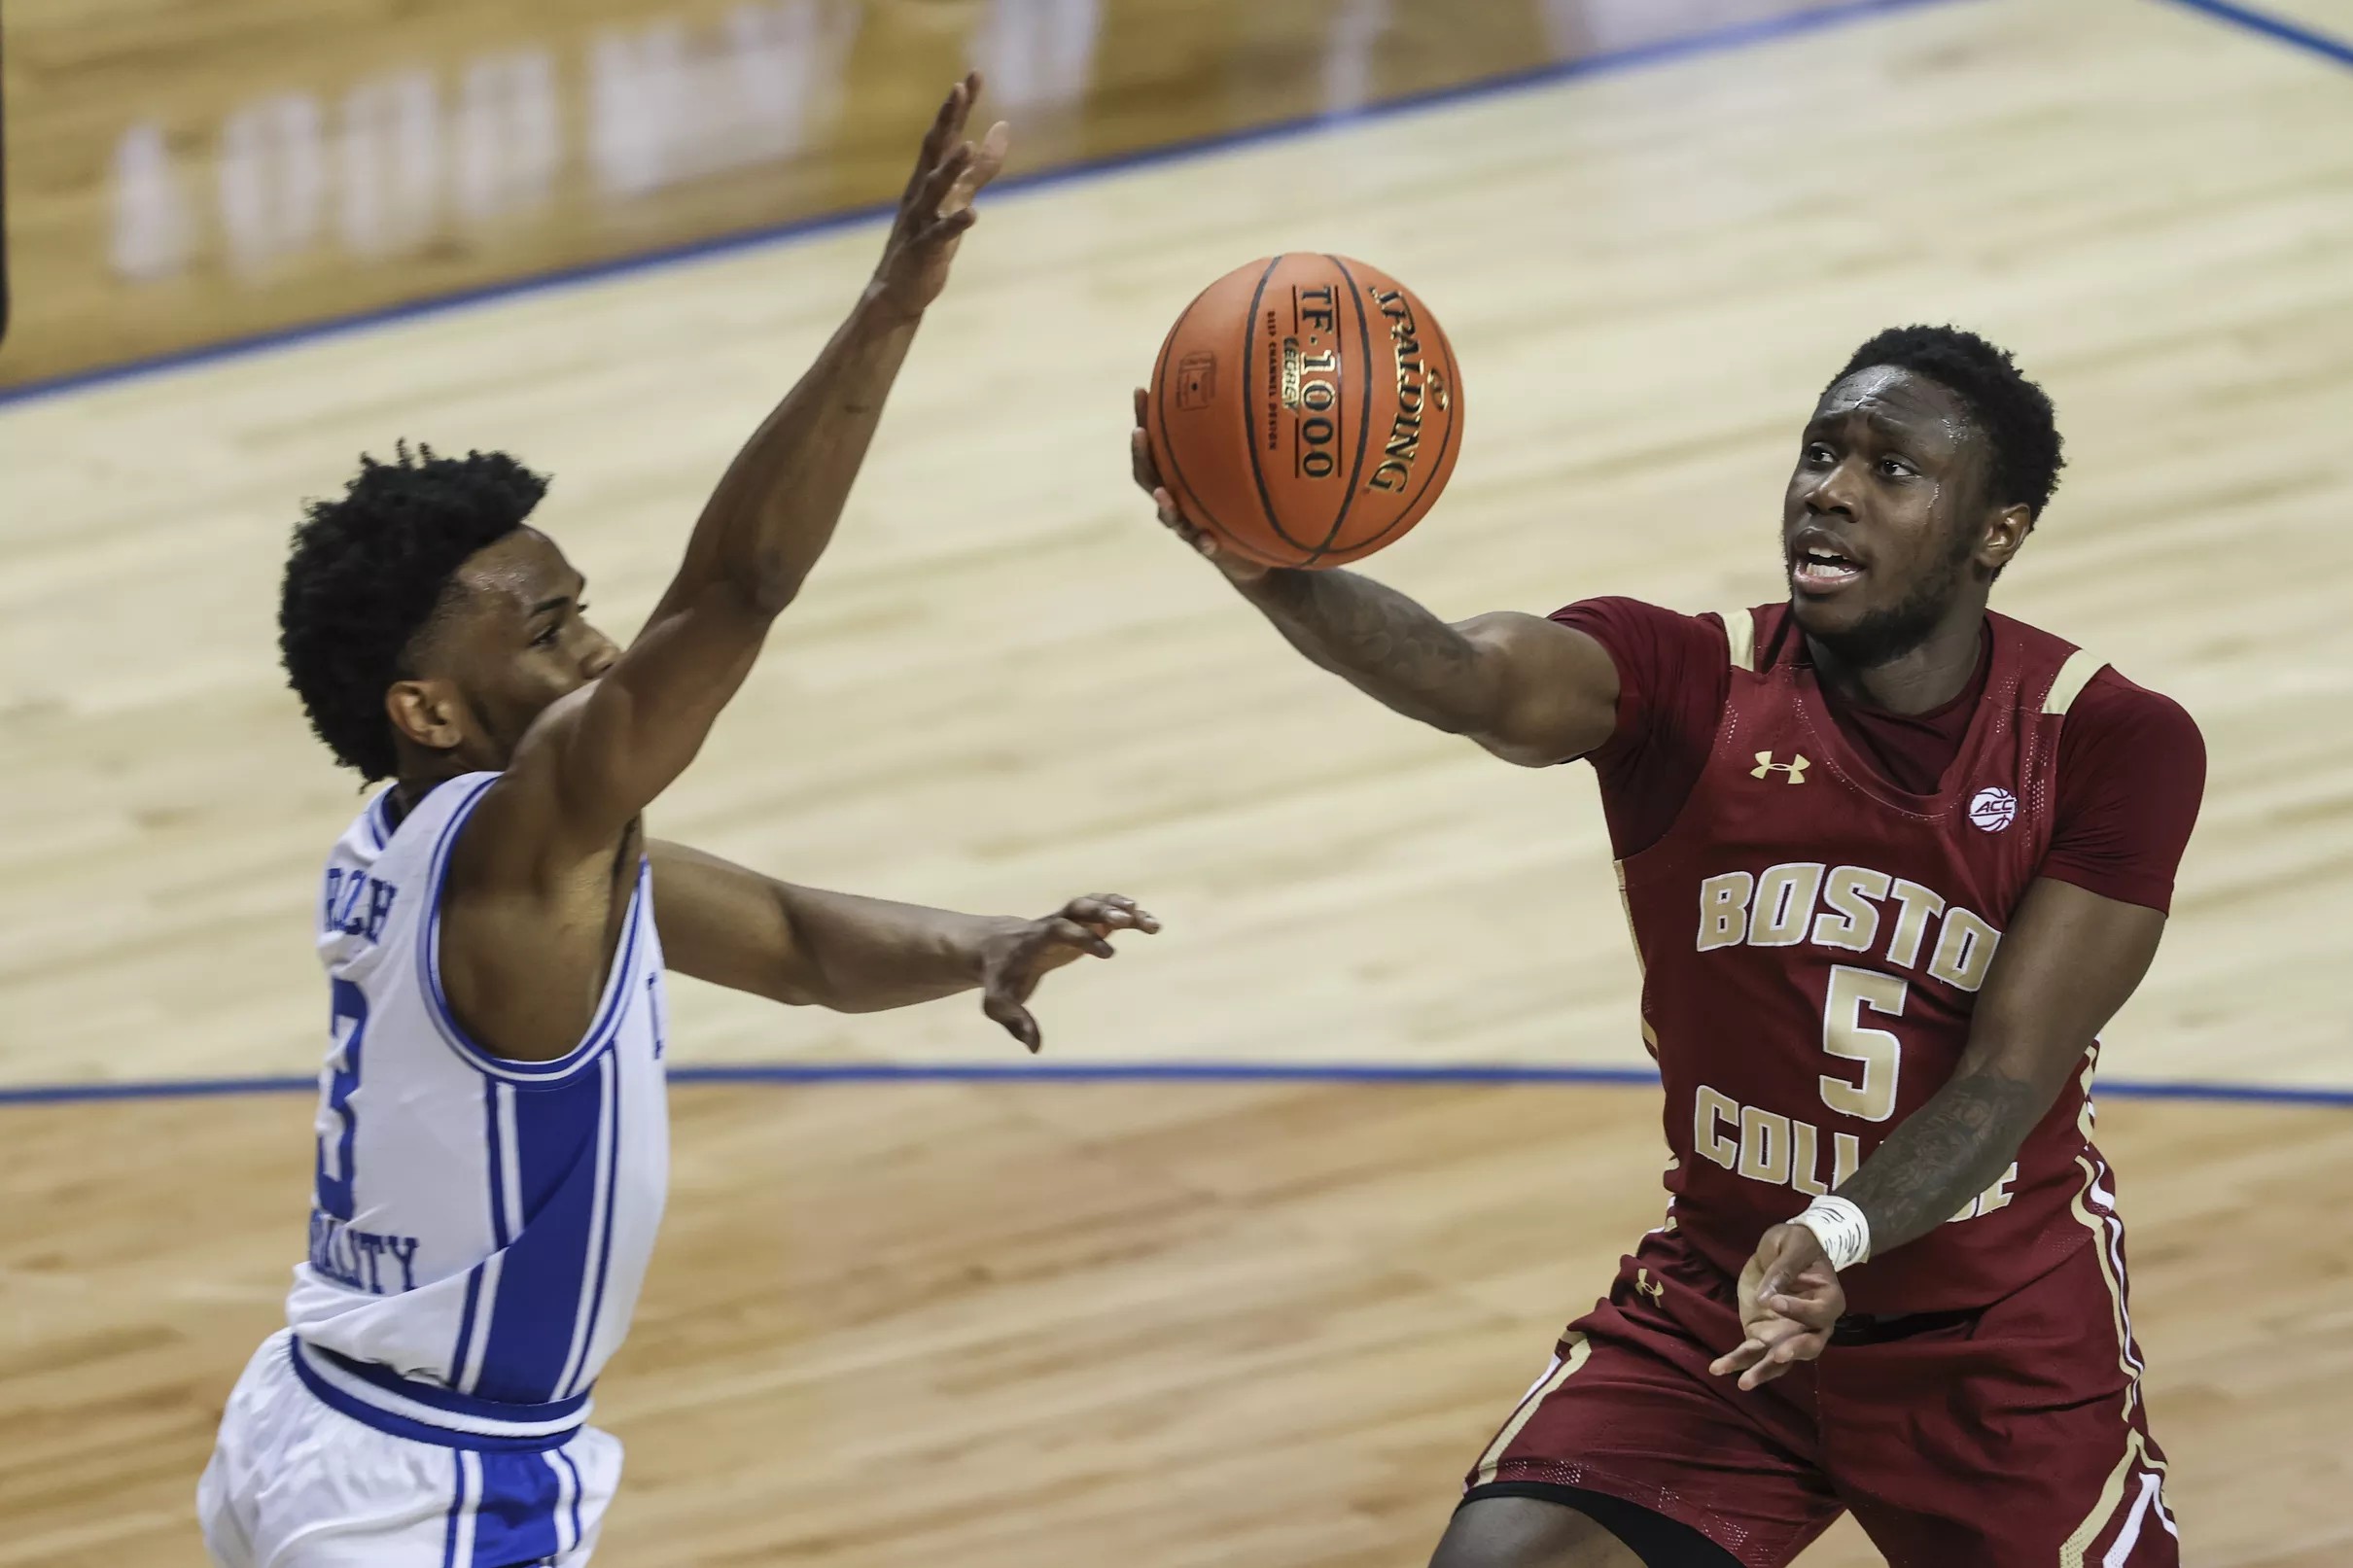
{"points": [[1305, 411], [1171, 517]]}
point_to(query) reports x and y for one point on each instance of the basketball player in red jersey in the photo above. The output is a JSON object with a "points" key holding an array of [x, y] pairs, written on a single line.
{"points": [[1891, 861]]}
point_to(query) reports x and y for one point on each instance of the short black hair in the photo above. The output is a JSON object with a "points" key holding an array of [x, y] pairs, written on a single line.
{"points": [[367, 572], [2015, 414]]}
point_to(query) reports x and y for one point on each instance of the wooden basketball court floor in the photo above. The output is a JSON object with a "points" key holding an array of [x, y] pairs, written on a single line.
{"points": [[1233, 1320]]}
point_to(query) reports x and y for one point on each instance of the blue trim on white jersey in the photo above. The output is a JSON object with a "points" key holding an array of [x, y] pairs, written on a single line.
{"points": [[381, 826], [463, 1372], [466, 1326], [381, 1398], [557, 1162], [609, 1179], [502, 1226], [611, 1008]]}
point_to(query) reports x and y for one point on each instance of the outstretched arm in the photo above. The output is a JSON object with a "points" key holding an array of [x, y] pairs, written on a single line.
{"points": [[596, 760], [2068, 962], [804, 946], [1531, 690]]}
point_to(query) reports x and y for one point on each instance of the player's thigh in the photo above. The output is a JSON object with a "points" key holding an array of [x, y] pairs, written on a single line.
{"points": [[1627, 1411], [1525, 1532], [226, 1542], [2083, 1483], [1570, 1528], [2096, 1496], [2022, 1437]]}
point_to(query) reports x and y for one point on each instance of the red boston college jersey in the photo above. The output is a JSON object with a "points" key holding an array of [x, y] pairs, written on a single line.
{"points": [[1813, 941]]}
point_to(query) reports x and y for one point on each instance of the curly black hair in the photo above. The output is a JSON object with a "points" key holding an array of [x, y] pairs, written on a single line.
{"points": [[366, 573], [2015, 414]]}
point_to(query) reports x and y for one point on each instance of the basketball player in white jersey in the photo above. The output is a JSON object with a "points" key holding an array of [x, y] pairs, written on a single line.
{"points": [[492, 1138]]}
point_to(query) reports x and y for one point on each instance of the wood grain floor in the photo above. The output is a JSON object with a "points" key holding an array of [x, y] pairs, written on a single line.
{"points": [[1257, 1326], [1164, 1326]]}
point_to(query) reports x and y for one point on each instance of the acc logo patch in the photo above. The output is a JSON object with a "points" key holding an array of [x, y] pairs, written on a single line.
{"points": [[1993, 808]]}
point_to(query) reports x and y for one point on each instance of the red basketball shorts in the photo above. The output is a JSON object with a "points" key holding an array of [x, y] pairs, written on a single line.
{"points": [[2014, 1435]]}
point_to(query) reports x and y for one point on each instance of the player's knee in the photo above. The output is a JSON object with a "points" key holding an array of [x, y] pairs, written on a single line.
{"points": [[1528, 1532]]}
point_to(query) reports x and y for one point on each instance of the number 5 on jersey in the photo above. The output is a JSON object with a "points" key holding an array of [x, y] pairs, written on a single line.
{"points": [[1870, 1098]]}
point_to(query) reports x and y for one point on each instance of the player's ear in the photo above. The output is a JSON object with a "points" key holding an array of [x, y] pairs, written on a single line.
{"points": [[2005, 530], [427, 712]]}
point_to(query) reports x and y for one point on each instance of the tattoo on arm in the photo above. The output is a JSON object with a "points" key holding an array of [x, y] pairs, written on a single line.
{"points": [[1944, 1154], [1382, 642]]}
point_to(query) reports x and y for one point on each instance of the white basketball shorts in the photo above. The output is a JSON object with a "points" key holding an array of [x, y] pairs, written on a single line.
{"points": [[296, 1483]]}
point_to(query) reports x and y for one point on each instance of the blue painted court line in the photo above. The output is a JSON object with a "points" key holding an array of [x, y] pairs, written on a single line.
{"points": [[153, 1089], [815, 1072], [1105, 1072], [1714, 41], [1209, 1072], [2280, 27]]}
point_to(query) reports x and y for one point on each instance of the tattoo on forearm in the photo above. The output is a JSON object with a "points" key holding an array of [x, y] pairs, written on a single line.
{"points": [[1381, 642], [1947, 1152]]}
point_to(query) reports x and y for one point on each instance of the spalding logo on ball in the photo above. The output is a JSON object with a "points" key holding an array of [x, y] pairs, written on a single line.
{"points": [[1305, 411]]}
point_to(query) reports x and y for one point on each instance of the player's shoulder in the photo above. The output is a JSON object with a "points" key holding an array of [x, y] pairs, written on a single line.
{"points": [[1659, 650], [401, 842], [2094, 696], [2113, 705], [1615, 618]]}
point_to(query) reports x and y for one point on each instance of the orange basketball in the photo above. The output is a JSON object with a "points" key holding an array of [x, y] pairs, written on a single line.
{"points": [[1304, 409]]}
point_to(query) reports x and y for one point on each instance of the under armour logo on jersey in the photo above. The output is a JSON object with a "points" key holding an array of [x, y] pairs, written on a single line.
{"points": [[1794, 771], [1656, 1291]]}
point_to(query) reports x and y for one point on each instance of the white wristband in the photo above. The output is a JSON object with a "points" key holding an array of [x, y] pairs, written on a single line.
{"points": [[1840, 1226]]}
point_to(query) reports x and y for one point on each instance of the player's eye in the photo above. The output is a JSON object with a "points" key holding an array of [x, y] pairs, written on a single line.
{"points": [[547, 638], [1818, 455], [1895, 468]]}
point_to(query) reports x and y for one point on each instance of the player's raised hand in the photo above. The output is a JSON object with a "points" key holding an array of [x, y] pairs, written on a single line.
{"points": [[1790, 1298], [1013, 961], [1147, 480], [936, 206]]}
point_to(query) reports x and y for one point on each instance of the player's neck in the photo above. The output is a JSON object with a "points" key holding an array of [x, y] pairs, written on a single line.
{"points": [[1925, 676], [421, 775]]}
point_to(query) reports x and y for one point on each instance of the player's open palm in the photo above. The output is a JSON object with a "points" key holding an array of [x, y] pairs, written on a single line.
{"points": [[936, 206], [1790, 1300], [1014, 960]]}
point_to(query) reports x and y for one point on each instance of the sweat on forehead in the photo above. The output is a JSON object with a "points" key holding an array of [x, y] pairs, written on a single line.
{"points": [[1898, 391], [1984, 389]]}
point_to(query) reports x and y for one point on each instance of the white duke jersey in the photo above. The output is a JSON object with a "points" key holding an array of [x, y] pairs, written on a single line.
{"points": [[479, 1227]]}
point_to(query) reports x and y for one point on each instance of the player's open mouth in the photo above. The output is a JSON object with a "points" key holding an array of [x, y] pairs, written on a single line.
{"points": [[1821, 570]]}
